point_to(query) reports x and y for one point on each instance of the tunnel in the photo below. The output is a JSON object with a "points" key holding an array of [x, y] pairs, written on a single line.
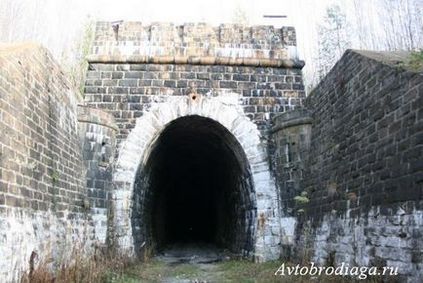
{"points": [[194, 188]]}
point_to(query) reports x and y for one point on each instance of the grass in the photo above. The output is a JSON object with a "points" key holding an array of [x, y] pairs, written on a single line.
{"points": [[413, 62], [82, 270], [247, 271], [154, 271], [104, 268]]}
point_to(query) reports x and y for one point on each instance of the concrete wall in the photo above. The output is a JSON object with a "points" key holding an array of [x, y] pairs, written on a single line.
{"points": [[42, 195]]}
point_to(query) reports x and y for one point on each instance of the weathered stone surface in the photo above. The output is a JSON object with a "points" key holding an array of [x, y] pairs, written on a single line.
{"points": [[364, 136], [128, 98], [195, 44], [363, 174], [97, 134], [145, 76], [224, 109], [42, 188], [348, 169]]}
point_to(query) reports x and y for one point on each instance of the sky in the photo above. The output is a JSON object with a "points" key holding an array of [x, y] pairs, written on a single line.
{"points": [[215, 12], [58, 24], [302, 14], [56, 21]]}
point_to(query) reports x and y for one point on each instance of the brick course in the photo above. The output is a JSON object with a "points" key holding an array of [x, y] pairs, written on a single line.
{"points": [[128, 90], [365, 137]]}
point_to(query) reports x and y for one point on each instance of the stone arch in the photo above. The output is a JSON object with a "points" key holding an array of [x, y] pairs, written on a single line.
{"points": [[135, 150], [194, 188]]}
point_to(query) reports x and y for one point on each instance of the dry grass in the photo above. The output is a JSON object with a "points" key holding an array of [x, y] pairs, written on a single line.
{"points": [[109, 269], [98, 268]]}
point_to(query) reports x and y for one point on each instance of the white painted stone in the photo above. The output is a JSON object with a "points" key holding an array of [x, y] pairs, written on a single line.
{"points": [[22, 232], [353, 246], [99, 218], [287, 225]]}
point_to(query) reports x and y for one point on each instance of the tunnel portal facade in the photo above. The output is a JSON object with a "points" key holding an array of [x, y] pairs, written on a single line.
{"points": [[193, 106], [199, 134], [195, 171]]}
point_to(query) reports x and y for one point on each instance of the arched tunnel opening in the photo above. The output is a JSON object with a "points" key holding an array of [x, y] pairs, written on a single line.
{"points": [[194, 188]]}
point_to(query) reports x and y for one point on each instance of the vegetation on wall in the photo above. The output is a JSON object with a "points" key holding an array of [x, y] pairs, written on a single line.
{"points": [[416, 60], [79, 68]]}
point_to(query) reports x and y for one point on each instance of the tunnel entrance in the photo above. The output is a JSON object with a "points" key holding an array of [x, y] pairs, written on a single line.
{"points": [[194, 188]]}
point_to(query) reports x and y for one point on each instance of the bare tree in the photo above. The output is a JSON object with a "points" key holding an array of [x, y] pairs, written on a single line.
{"points": [[401, 23], [10, 14], [240, 15], [333, 39]]}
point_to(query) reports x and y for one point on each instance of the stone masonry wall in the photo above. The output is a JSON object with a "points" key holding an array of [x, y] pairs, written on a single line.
{"points": [[364, 174], [97, 133], [128, 90], [148, 64], [195, 43], [291, 135], [291, 132], [353, 157], [41, 171], [135, 69]]}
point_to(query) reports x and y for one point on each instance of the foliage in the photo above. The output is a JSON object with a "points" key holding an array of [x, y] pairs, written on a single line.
{"points": [[415, 61], [240, 15], [79, 68], [302, 199], [55, 177]]}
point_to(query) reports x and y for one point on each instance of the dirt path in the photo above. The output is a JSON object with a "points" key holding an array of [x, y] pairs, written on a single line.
{"points": [[186, 264], [195, 264]]}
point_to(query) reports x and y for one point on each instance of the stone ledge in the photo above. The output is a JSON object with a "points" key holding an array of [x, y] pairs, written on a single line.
{"points": [[192, 60], [296, 117]]}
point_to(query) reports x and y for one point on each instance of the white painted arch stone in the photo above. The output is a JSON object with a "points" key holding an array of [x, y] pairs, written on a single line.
{"points": [[226, 110]]}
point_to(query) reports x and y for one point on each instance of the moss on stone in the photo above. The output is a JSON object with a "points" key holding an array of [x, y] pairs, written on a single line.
{"points": [[415, 60]]}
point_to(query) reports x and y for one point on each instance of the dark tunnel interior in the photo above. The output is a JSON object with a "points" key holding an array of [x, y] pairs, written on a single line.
{"points": [[195, 188]]}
